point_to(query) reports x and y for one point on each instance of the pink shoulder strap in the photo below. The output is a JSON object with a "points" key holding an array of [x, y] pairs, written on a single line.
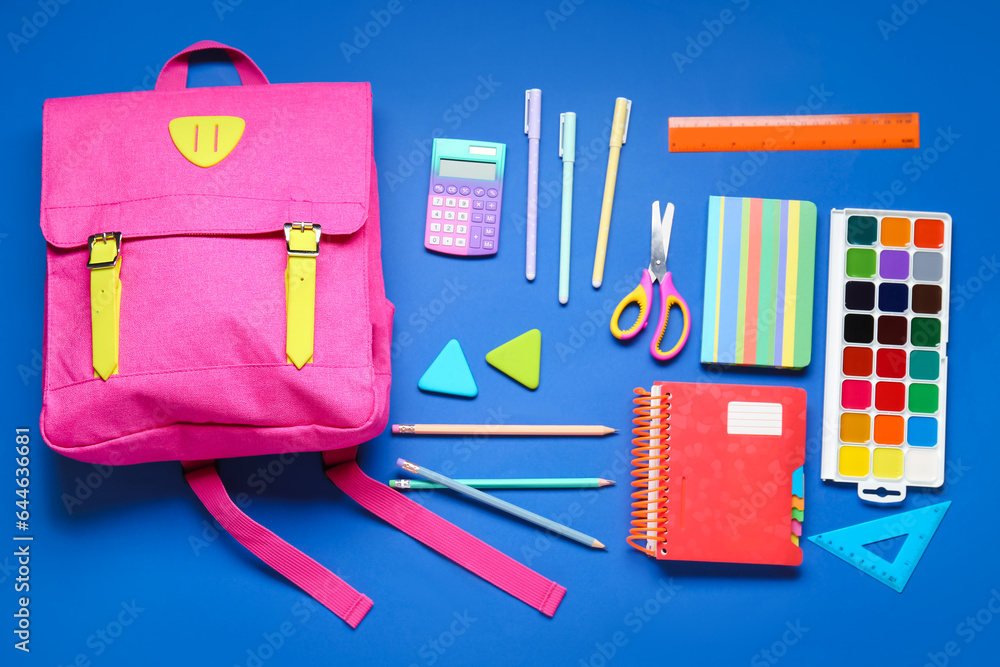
{"points": [[329, 590], [447, 539], [391, 506]]}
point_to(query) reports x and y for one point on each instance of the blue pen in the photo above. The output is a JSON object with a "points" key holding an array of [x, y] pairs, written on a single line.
{"points": [[567, 151]]}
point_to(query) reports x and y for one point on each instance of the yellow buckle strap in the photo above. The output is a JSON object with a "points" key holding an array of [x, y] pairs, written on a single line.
{"points": [[302, 242], [105, 300]]}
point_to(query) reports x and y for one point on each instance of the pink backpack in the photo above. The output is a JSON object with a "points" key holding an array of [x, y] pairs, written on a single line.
{"points": [[214, 289]]}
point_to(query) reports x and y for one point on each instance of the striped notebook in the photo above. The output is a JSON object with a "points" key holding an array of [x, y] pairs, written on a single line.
{"points": [[759, 282]]}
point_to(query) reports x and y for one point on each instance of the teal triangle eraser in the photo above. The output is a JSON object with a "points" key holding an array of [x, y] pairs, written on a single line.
{"points": [[450, 373]]}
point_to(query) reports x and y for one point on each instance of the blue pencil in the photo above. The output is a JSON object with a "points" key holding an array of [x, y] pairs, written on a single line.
{"points": [[493, 501]]}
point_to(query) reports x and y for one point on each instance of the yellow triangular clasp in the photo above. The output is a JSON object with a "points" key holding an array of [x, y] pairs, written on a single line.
{"points": [[206, 140]]}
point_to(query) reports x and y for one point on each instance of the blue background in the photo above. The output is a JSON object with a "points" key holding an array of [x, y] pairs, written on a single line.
{"points": [[130, 539]]}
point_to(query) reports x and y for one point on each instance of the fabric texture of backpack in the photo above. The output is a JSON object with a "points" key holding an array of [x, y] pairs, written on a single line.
{"points": [[214, 289]]}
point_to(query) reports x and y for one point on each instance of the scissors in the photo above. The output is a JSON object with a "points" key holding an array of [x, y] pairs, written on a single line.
{"points": [[642, 295]]}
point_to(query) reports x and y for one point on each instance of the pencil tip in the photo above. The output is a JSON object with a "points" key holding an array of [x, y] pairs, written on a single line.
{"points": [[598, 545], [605, 482]]}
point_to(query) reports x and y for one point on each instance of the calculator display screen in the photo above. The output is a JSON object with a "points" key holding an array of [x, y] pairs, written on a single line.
{"points": [[480, 171]]}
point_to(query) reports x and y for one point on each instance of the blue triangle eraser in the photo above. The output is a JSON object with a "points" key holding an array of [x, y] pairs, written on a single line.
{"points": [[450, 373]]}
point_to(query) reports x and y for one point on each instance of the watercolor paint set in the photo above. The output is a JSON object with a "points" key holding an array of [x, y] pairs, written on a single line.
{"points": [[887, 351]]}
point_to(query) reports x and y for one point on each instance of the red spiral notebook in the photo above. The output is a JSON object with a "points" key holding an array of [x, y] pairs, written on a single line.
{"points": [[718, 473]]}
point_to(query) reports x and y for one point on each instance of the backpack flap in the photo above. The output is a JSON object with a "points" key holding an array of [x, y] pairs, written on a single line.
{"points": [[210, 266]]}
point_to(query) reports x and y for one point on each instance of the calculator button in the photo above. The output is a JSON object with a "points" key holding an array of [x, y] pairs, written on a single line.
{"points": [[479, 192], [463, 215], [491, 218], [476, 237], [439, 188], [437, 201], [464, 190], [450, 201], [434, 240], [479, 204], [449, 229], [462, 229], [490, 231], [460, 242], [447, 240], [436, 214], [452, 189], [463, 203], [477, 217], [435, 226], [492, 192], [487, 244], [449, 215], [491, 206]]}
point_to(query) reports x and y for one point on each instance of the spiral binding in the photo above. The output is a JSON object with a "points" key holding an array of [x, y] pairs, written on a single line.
{"points": [[649, 478]]}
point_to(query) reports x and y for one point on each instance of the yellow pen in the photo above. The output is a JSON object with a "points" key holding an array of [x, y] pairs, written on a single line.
{"points": [[619, 132]]}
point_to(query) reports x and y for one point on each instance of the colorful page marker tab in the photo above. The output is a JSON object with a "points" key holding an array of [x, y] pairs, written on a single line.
{"points": [[858, 546], [519, 358], [759, 282], [797, 485], [798, 504], [450, 373]]}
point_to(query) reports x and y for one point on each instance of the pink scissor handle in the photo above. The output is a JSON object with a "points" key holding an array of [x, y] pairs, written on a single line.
{"points": [[173, 76], [641, 296], [669, 297]]}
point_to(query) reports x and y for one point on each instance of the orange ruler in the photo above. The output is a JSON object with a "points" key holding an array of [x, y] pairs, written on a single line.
{"points": [[794, 133]]}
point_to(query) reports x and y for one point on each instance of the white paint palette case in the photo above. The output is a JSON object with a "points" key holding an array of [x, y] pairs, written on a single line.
{"points": [[886, 351]]}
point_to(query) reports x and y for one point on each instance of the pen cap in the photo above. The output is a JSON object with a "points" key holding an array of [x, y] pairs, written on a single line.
{"points": [[533, 113], [619, 124], [567, 136]]}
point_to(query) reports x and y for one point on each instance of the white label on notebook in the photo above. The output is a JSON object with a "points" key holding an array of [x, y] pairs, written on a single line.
{"points": [[745, 418]]}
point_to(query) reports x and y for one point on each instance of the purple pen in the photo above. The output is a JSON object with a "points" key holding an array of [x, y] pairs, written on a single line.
{"points": [[532, 128]]}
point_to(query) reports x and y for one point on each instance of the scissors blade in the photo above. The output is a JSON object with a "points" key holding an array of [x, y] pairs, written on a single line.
{"points": [[667, 226], [659, 244]]}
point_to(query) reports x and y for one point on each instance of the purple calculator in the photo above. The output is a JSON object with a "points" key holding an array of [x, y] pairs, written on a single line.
{"points": [[463, 205]]}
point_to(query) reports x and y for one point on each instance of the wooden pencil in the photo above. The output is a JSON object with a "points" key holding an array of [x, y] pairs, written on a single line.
{"points": [[535, 483], [503, 505], [503, 429]]}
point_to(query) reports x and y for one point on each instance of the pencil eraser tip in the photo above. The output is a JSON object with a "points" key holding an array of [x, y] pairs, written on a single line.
{"points": [[597, 283], [395, 429], [400, 462]]}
